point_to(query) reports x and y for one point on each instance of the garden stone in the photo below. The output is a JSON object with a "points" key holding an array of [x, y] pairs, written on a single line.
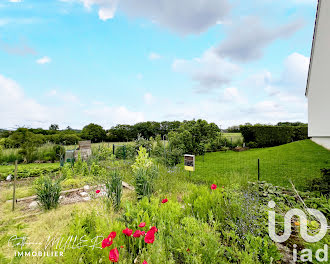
{"points": [[86, 188], [61, 197], [87, 198], [33, 205], [83, 194], [9, 177]]}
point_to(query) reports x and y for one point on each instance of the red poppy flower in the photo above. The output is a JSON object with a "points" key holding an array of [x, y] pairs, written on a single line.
{"points": [[213, 186], [121, 246], [112, 235], [127, 232], [106, 242], [114, 255], [164, 200], [154, 229], [145, 262], [150, 237], [137, 233], [188, 249], [97, 191], [143, 224]]}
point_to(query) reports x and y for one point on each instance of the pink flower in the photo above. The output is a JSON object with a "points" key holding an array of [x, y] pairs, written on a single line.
{"points": [[154, 229], [143, 233], [112, 235], [150, 237], [114, 255], [137, 233], [106, 242], [143, 224], [97, 191], [164, 200], [127, 232], [145, 262], [213, 186]]}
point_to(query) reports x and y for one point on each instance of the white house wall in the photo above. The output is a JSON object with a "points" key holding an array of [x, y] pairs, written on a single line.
{"points": [[319, 78]]}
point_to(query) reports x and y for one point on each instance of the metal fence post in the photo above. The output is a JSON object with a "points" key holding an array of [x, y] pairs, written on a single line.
{"points": [[113, 149]]}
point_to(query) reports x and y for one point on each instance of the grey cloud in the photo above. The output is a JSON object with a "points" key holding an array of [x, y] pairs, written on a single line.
{"points": [[184, 16], [247, 40]]}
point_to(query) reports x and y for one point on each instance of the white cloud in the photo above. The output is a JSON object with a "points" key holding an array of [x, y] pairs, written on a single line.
{"points": [[16, 108], [44, 60], [148, 98], [20, 48], [108, 116], [296, 70], [139, 76], [63, 96], [154, 56], [233, 96], [209, 71], [15, 1]]}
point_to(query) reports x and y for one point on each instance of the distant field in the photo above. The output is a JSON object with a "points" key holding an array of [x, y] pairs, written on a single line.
{"points": [[298, 161], [234, 136]]}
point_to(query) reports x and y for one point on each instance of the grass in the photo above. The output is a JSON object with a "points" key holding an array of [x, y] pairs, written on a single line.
{"points": [[234, 136], [299, 161]]}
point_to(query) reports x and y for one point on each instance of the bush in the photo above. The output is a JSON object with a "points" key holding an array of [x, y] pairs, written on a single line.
{"points": [[145, 173], [114, 189], [322, 185], [269, 136], [252, 144], [125, 152], [48, 192]]}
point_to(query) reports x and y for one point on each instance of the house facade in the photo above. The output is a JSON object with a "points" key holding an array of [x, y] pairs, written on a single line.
{"points": [[318, 83]]}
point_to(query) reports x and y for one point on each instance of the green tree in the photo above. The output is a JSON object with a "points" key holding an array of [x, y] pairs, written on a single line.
{"points": [[93, 132], [54, 127]]}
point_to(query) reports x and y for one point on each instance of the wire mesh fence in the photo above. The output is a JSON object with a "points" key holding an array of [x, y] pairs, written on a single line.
{"points": [[299, 162]]}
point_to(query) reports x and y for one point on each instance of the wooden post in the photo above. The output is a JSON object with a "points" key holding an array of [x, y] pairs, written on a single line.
{"points": [[258, 170], [14, 189]]}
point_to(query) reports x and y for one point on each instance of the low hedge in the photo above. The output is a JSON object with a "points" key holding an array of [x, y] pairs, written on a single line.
{"points": [[269, 136], [23, 172]]}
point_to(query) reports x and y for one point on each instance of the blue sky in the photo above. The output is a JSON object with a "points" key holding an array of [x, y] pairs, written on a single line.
{"points": [[73, 62]]}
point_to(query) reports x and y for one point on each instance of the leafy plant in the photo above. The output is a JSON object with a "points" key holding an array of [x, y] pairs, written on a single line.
{"points": [[142, 161], [48, 192], [114, 189], [322, 185]]}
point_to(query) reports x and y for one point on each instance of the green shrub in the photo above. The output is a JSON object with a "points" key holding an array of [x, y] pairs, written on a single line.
{"points": [[48, 192], [322, 184], [125, 152], [269, 136], [145, 173], [114, 189]]}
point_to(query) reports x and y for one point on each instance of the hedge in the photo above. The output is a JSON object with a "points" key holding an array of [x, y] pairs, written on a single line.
{"points": [[269, 136]]}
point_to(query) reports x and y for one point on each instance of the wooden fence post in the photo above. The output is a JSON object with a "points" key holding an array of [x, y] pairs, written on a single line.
{"points": [[14, 189]]}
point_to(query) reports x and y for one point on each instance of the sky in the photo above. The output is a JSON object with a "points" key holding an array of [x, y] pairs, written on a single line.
{"points": [[73, 62]]}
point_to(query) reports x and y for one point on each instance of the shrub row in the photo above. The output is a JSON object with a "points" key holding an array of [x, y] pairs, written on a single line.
{"points": [[29, 172], [269, 136]]}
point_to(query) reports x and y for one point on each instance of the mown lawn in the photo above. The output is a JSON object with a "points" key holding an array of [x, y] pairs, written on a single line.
{"points": [[299, 162]]}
